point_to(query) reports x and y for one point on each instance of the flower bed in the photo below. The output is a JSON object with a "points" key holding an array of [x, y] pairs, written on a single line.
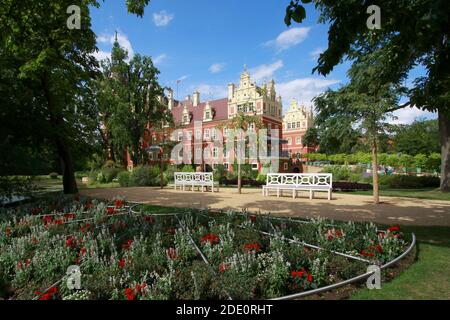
{"points": [[124, 254]]}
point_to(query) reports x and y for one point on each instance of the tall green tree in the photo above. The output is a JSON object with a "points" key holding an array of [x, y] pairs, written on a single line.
{"points": [[412, 33], [241, 123], [419, 137], [54, 66], [365, 104], [129, 98]]}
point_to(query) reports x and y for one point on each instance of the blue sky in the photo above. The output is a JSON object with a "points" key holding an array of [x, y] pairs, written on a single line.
{"points": [[206, 44]]}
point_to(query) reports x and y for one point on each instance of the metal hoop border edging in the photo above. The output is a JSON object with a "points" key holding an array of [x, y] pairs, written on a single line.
{"points": [[325, 288], [351, 280]]}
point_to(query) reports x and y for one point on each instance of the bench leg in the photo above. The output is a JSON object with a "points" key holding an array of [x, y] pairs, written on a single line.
{"points": [[293, 193], [278, 193], [310, 194], [329, 194]]}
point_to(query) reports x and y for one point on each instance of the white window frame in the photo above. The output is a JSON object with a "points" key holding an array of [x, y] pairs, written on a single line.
{"points": [[226, 165], [215, 152], [255, 166], [289, 140], [206, 134], [298, 140], [198, 134]]}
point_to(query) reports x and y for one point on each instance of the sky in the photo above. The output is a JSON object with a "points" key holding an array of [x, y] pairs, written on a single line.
{"points": [[206, 44]]}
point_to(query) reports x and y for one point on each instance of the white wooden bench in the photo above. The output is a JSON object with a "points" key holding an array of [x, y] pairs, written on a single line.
{"points": [[298, 182], [194, 179]]}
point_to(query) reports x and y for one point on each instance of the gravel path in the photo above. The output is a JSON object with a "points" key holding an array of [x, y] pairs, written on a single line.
{"points": [[392, 210]]}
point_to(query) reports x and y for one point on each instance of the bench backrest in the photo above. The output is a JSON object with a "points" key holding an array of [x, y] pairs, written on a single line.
{"points": [[183, 177], [300, 179]]}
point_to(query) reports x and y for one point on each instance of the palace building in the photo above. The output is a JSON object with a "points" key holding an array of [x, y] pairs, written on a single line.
{"points": [[204, 122], [296, 122]]}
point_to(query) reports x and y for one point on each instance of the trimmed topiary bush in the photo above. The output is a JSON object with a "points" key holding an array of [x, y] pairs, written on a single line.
{"points": [[408, 182], [124, 178]]}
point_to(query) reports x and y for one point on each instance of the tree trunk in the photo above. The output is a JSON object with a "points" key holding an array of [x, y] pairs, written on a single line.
{"points": [[65, 155], [239, 177], [444, 132], [62, 147], [376, 195], [161, 170]]}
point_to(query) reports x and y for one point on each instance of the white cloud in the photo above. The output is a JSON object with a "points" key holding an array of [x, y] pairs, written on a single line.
{"points": [[182, 78], [408, 115], [159, 59], [123, 40], [216, 67], [289, 38], [265, 71], [315, 53], [162, 18], [303, 89]]}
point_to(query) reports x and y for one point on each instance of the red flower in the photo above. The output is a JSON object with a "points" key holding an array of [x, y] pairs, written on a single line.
{"points": [[19, 265], [223, 267], [47, 219], [211, 238], [88, 205], [70, 242], [119, 203], [139, 287], [394, 228], [58, 222], [149, 219], [127, 245], [8, 231], [381, 234], [85, 227], [252, 247], [171, 253], [121, 263], [28, 262], [110, 210], [34, 240], [47, 295], [310, 277], [253, 218], [129, 293], [69, 216], [82, 251]]}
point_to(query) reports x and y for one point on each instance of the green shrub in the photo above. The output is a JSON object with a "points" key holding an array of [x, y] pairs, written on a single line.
{"points": [[145, 176], [261, 178], [93, 176], [219, 172], [109, 174], [124, 178], [408, 182], [187, 168], [340, 173], [53, 175]]}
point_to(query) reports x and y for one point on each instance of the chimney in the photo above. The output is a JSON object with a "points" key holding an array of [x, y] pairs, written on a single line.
{"points": [[230, 91], [170, 98], [196, 98]]}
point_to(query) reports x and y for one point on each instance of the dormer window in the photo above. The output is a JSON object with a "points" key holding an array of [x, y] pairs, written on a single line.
{"points": [[208, 113]]}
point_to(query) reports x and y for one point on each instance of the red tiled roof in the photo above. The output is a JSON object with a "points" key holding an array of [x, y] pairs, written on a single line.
{"points": [[220, 106]]}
